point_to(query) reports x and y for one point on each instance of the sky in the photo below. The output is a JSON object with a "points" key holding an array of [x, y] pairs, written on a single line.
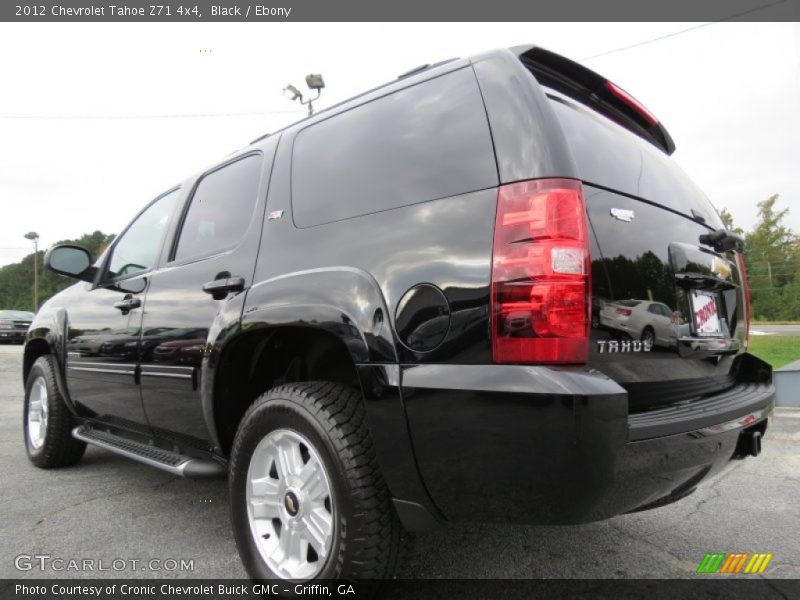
{"points": [[98, 119]]}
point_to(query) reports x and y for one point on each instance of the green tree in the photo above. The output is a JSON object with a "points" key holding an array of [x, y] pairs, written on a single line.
{"points": [[16, 279], [727, 219], [772, 254]]}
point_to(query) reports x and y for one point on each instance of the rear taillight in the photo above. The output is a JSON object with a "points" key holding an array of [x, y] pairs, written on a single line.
{"points": [[540, 273], [745, 295], [625, 312]]}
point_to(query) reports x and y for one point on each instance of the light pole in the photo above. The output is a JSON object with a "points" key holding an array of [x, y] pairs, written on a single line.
{"points": [[33, 236], [314, 82]]}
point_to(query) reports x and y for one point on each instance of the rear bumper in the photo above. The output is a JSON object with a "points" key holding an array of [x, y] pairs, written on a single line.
{"points": [[736, 408], [557, 446]]}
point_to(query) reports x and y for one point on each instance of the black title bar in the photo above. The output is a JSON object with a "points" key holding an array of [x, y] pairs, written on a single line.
{"points": [[408, 10]]}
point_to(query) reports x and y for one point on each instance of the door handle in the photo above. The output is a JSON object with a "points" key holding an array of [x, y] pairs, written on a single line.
{"points": [[127, 304], [220, 288]]}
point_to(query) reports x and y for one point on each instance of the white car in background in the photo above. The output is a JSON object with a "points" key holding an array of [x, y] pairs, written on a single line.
{"points": [[652, 322]]}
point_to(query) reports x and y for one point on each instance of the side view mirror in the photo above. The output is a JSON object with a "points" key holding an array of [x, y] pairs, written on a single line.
{"points": [[130, 286], [72, 261]]}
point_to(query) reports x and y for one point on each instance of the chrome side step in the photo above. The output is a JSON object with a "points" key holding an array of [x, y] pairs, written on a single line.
{"points": [[172, 462]]}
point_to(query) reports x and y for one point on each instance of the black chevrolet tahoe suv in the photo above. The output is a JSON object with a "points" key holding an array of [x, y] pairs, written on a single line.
{"points": [[481, 291]]}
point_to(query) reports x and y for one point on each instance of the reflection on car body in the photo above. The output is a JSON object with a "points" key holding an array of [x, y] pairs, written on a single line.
{"points": [[650, 322], [411, 344], [14, 325]]}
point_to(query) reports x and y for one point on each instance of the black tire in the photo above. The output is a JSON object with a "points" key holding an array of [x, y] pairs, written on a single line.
{"points": [[367, 538], [648, 334], [59, 448]]}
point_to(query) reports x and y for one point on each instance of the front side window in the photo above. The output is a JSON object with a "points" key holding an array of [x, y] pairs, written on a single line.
{"points": [[221, 209], [137, 249]]}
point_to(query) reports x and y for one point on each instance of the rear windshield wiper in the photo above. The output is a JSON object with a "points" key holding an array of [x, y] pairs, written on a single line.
{"points": [[723, 240]]}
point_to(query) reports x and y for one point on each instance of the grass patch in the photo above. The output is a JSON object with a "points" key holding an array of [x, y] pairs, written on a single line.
{"points": [[777, 350]]}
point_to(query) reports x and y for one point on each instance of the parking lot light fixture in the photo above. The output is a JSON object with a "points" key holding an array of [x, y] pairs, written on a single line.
{"points": [[314, 82], [34, 237]]}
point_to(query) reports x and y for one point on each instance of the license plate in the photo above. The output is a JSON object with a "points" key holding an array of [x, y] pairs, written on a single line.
{"points": [[705, 314]]}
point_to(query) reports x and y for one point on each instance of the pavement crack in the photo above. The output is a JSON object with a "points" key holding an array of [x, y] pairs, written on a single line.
{"points": [[156, 486], [698, 507], [676, 560]]}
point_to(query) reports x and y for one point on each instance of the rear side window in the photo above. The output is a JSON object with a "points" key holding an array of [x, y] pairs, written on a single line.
{"points": [[658, 309], [221, 209], [421, 143]]}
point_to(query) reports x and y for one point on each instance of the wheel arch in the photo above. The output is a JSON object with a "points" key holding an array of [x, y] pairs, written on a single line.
{"points": [[261, 359], [338, 313], [327, 324], [46, 335], [34, 348]]}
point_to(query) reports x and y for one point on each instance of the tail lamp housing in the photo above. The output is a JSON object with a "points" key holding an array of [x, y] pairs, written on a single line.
{"points": [[745, 295], [541, 285]]}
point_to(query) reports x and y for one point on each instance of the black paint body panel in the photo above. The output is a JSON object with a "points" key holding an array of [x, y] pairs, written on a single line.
{"points": [[456, 436]]}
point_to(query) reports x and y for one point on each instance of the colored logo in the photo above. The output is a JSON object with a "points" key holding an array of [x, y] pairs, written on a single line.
{"points": [[720, 268], [737, 562]]}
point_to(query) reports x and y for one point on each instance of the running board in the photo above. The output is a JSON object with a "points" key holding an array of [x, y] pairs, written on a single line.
{"points": [[172, 462]]}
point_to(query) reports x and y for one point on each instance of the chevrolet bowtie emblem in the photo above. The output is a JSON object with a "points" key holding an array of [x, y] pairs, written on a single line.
{"points": [[720, 268]]}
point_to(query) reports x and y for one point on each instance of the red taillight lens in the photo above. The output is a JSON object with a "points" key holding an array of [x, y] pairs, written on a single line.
{"points": [[746, 295], [541, 300], [624, 311]]}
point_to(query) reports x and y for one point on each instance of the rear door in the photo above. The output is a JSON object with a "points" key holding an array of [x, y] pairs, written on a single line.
{"points": [[216, 242]]}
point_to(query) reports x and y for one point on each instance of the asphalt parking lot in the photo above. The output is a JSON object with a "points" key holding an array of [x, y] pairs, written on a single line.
{"points": [[108, 507]]}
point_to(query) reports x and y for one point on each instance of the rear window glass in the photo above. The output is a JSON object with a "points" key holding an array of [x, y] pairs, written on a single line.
{"points": [[421, 143], [610, 156], [629, 302]]}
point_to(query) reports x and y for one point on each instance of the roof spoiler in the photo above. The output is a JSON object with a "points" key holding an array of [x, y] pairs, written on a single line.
{"points": [[591, 89]]}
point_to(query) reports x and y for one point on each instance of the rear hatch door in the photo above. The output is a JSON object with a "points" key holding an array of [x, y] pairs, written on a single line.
{"points": [[668, 311]]}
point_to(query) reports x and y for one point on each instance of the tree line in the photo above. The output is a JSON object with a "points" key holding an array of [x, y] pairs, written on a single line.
{"points": [[16, 279], [772, 257]]}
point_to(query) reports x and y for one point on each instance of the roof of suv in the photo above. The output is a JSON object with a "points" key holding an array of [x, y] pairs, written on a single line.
{"points": [[565, 75]]}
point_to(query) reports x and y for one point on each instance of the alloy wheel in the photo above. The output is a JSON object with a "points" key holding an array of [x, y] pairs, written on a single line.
{"points": [[290, 505], [37, 413]]}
